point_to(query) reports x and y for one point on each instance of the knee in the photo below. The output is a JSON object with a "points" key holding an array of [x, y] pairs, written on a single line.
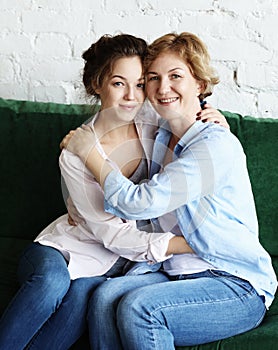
{"points": [[131, 306], [51, 281], [81, 289], [105, 294], [103, 300]]}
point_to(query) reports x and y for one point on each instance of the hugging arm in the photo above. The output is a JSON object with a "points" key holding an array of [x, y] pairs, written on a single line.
{"points": [[119, 236]]}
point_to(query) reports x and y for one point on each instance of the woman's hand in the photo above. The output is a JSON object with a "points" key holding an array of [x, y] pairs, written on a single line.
{"points": [[210, 114], [80, 141]]}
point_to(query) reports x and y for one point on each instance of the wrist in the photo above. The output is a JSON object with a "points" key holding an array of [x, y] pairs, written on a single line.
{"points": [[97, 165]]}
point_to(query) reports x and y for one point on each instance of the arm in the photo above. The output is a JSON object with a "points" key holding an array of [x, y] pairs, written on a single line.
{"points": [[123, 238], [194, 169], [185, 180]]}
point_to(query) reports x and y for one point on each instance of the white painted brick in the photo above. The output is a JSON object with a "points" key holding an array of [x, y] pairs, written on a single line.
{"points": [[63, 5], [81, 44], [75, 93], [41, 42], [16, 4], [264, 29], [148, 27], [121, 5], [259, 76], [225, 71], [237, 7], [185, 5], [7, 72], [15, 91], [14, 43], [268, 104], [46, 93], [94, 5], [54, 70], [52, 44], [220, 27], [49, 21], [228, 97], [8, 20], [238, 50], [242, 8]]}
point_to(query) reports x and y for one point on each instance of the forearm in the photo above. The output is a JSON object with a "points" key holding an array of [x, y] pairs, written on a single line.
{"points": [[98, 166], [178, 245]]}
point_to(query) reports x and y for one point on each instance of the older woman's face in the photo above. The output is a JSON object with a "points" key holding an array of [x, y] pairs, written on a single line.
{"points": [[171, 87]]}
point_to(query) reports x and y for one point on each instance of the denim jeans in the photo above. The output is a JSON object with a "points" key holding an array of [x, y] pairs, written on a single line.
{"points": [[190, 310], [49, 310], [103, 305]]}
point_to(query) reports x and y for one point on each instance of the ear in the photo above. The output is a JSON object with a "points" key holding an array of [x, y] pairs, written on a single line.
{"points": [[97, 90], [96, 87]]}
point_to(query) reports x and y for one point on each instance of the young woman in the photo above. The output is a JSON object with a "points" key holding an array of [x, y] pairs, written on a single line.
{"points": [[199, 188], [59, 271]]}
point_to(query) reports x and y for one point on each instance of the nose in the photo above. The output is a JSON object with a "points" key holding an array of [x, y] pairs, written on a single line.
{"points": [[164, 86], [129, 94]]}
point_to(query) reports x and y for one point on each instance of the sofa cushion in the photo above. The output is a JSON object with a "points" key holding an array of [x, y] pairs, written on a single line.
{"points": [[258, 137], [31, 188]]}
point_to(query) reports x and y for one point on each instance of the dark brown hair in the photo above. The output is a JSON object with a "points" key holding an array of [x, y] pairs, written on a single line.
{"points": [[102, 55], [192, 51]]}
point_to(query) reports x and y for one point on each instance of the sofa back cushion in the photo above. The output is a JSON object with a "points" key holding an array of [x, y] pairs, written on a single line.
{"points": [[258, 137], [31, 189]]}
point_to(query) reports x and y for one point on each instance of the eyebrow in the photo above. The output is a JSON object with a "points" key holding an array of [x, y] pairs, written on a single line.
{"points": [[171, 70], [118, 76], [123, 78]]}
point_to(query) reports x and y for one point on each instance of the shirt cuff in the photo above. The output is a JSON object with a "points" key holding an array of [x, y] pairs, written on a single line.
{"points": [[158, 248]]}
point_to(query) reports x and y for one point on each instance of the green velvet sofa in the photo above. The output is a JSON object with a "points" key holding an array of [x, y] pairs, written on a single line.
{"points": [[30, 192]]}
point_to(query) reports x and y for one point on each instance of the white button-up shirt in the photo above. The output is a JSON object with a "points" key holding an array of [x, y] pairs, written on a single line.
{"points": [[95, 244]]}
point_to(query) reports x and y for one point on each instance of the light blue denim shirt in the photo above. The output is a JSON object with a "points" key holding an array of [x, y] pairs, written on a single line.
{"points": [[208, 186]]}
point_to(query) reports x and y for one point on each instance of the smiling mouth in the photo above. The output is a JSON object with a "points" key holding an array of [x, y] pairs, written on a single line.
{"points": [[129, 107], [167, 100]]}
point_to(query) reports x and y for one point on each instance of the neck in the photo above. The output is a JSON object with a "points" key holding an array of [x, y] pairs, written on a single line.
{"points": [[111, 131], [180, 126]]}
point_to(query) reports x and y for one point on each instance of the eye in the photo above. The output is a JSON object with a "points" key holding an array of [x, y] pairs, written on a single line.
{"points": [[153, 78], [140, 86], [175, 76], [118, 83]]}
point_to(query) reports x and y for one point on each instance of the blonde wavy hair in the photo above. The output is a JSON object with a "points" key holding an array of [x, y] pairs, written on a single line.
{"points": [[192, 51]]}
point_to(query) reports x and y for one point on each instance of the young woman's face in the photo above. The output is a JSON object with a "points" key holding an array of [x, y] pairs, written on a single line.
{"points": [[124, 89], [171, 88]]}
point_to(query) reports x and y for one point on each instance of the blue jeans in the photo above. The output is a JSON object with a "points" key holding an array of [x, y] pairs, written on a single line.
{"points": [[102, 308], [49, 310], [191, 310]]}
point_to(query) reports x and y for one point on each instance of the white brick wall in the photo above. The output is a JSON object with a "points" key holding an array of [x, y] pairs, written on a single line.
{"points": [[41, 42]]}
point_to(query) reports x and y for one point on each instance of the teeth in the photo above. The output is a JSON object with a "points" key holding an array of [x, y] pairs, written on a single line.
{"points": [[168, 100]]}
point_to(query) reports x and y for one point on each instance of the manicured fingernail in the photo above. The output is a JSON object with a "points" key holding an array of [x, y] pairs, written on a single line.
{"points": [[198, 114], [198, 118], [216, 122], [204, 120]]}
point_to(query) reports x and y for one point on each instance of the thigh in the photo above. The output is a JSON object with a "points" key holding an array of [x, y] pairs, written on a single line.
{"points": [[68, 322], [41, 260], [103, 305], [113, 289], [193, 311]]}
